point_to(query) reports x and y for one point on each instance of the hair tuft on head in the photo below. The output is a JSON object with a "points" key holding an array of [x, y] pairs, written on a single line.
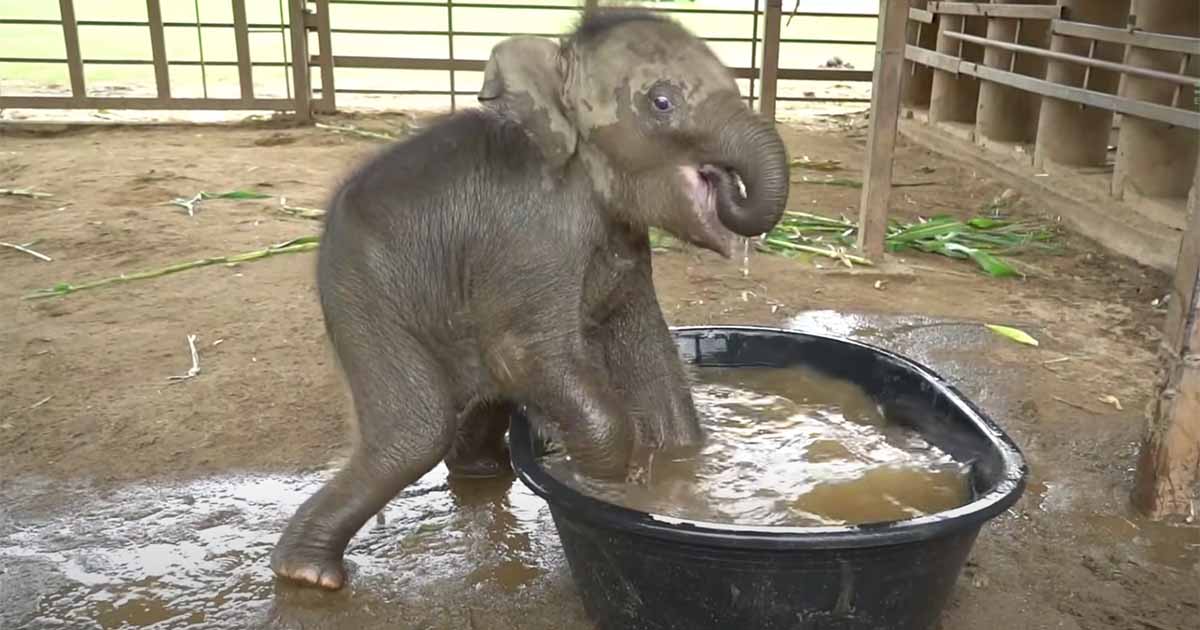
{"points": [[596, 22]]}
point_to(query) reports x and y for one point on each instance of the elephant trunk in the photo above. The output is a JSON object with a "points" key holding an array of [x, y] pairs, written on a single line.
{"points": [[750, 148]]}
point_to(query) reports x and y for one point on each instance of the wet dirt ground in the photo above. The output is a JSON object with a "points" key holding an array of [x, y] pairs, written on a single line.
{"points": [[131, 501]]}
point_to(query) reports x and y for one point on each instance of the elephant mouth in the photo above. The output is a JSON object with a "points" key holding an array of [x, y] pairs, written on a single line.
{"points": [[709, 186]]}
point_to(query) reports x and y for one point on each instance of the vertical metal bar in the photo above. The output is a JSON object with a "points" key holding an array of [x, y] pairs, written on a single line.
{"points": [[912, 65], [1012, 57], [772, 26], [1183, 64], [962, 29], [328, 103], [1087, 70], [283, 48], [886, 83], [66, 10], [296, 23], [241, 36], [450, 43], [754, 50], [158, 48], [200, 45]]}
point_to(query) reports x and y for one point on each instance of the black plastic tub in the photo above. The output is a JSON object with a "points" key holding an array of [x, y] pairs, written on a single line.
{"points": [[639, 571]]}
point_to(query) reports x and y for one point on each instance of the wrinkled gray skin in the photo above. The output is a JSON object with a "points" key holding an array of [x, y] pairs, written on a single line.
{"points": [[500, 257]]}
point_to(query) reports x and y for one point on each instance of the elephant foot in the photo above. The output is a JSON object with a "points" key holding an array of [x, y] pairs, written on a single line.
{"points": [[480, 450], [480, 467], [308, 567]]}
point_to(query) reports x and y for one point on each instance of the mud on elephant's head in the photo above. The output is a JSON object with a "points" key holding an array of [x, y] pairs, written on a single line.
{"points": [[654, 118]]}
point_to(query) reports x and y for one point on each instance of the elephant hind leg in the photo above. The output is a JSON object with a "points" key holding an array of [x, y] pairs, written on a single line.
{"points": [[406, 425], [480, 450]]}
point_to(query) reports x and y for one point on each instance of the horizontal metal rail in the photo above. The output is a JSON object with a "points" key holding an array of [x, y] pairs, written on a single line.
{"points": [[477, 65], [742, 40], [469, 93], [409, 63], [139, 62], [383, 31], [1148, 73], [1141, 39], [574, 7], [1102, 100], [133, 102], [257, 26]]}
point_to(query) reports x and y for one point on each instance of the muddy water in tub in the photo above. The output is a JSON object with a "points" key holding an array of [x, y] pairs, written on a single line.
{"points": [[789, 447]]}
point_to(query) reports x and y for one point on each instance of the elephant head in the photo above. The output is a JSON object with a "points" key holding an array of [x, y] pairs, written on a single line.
{"points": [[654, 118]]}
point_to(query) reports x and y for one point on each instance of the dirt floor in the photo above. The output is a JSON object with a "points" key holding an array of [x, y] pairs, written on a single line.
{"points": [[128, 500]]}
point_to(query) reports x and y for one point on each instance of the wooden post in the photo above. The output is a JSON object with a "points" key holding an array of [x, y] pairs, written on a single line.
{"points": [[1168, 471], [886, 84], [450, 50], [328, 102], [772, 27], [241, 38], [298, 26], [66, 10], [158, 48]]}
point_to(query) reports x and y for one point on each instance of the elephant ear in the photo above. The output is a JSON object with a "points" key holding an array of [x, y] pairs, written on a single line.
{"points": [[522, 80]]}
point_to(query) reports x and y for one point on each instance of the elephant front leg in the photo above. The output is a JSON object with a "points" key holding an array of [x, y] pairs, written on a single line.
{"points": [[644, 366], [568, 386]]}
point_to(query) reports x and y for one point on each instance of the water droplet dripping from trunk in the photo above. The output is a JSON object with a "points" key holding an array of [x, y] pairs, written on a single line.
{"points": [[745, 257]]}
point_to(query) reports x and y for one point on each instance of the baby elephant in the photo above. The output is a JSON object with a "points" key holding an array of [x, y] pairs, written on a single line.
{"points": [[500, 257]]}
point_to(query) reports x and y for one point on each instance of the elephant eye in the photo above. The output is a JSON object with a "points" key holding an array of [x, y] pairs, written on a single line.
{"points": [[662, 103]]}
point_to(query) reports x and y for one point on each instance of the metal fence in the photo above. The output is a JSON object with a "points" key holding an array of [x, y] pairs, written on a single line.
{"points": [[77, 62], [324, 35]]}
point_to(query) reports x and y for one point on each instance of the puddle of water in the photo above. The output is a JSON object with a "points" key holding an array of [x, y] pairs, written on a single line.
{"points": [[835, 324], [1117, 528], [1176, 546], [790, 447], [195, 555]]}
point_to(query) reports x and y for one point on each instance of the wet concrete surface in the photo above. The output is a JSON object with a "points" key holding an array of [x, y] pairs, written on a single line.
{"points": [[194, 555], [467, 555]]}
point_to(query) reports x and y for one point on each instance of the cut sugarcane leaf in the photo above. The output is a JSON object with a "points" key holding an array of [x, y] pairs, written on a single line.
{"points": [[235, 194], [1015, 334]]}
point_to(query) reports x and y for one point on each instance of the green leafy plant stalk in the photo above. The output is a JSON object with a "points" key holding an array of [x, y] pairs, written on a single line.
{"points": [[983, 240], [302, 244]]}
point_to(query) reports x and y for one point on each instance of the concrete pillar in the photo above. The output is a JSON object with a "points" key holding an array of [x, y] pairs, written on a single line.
{"points": [[919, 82], [1068, 133], [1007, 114], [954, 99], [1154, 159]]}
